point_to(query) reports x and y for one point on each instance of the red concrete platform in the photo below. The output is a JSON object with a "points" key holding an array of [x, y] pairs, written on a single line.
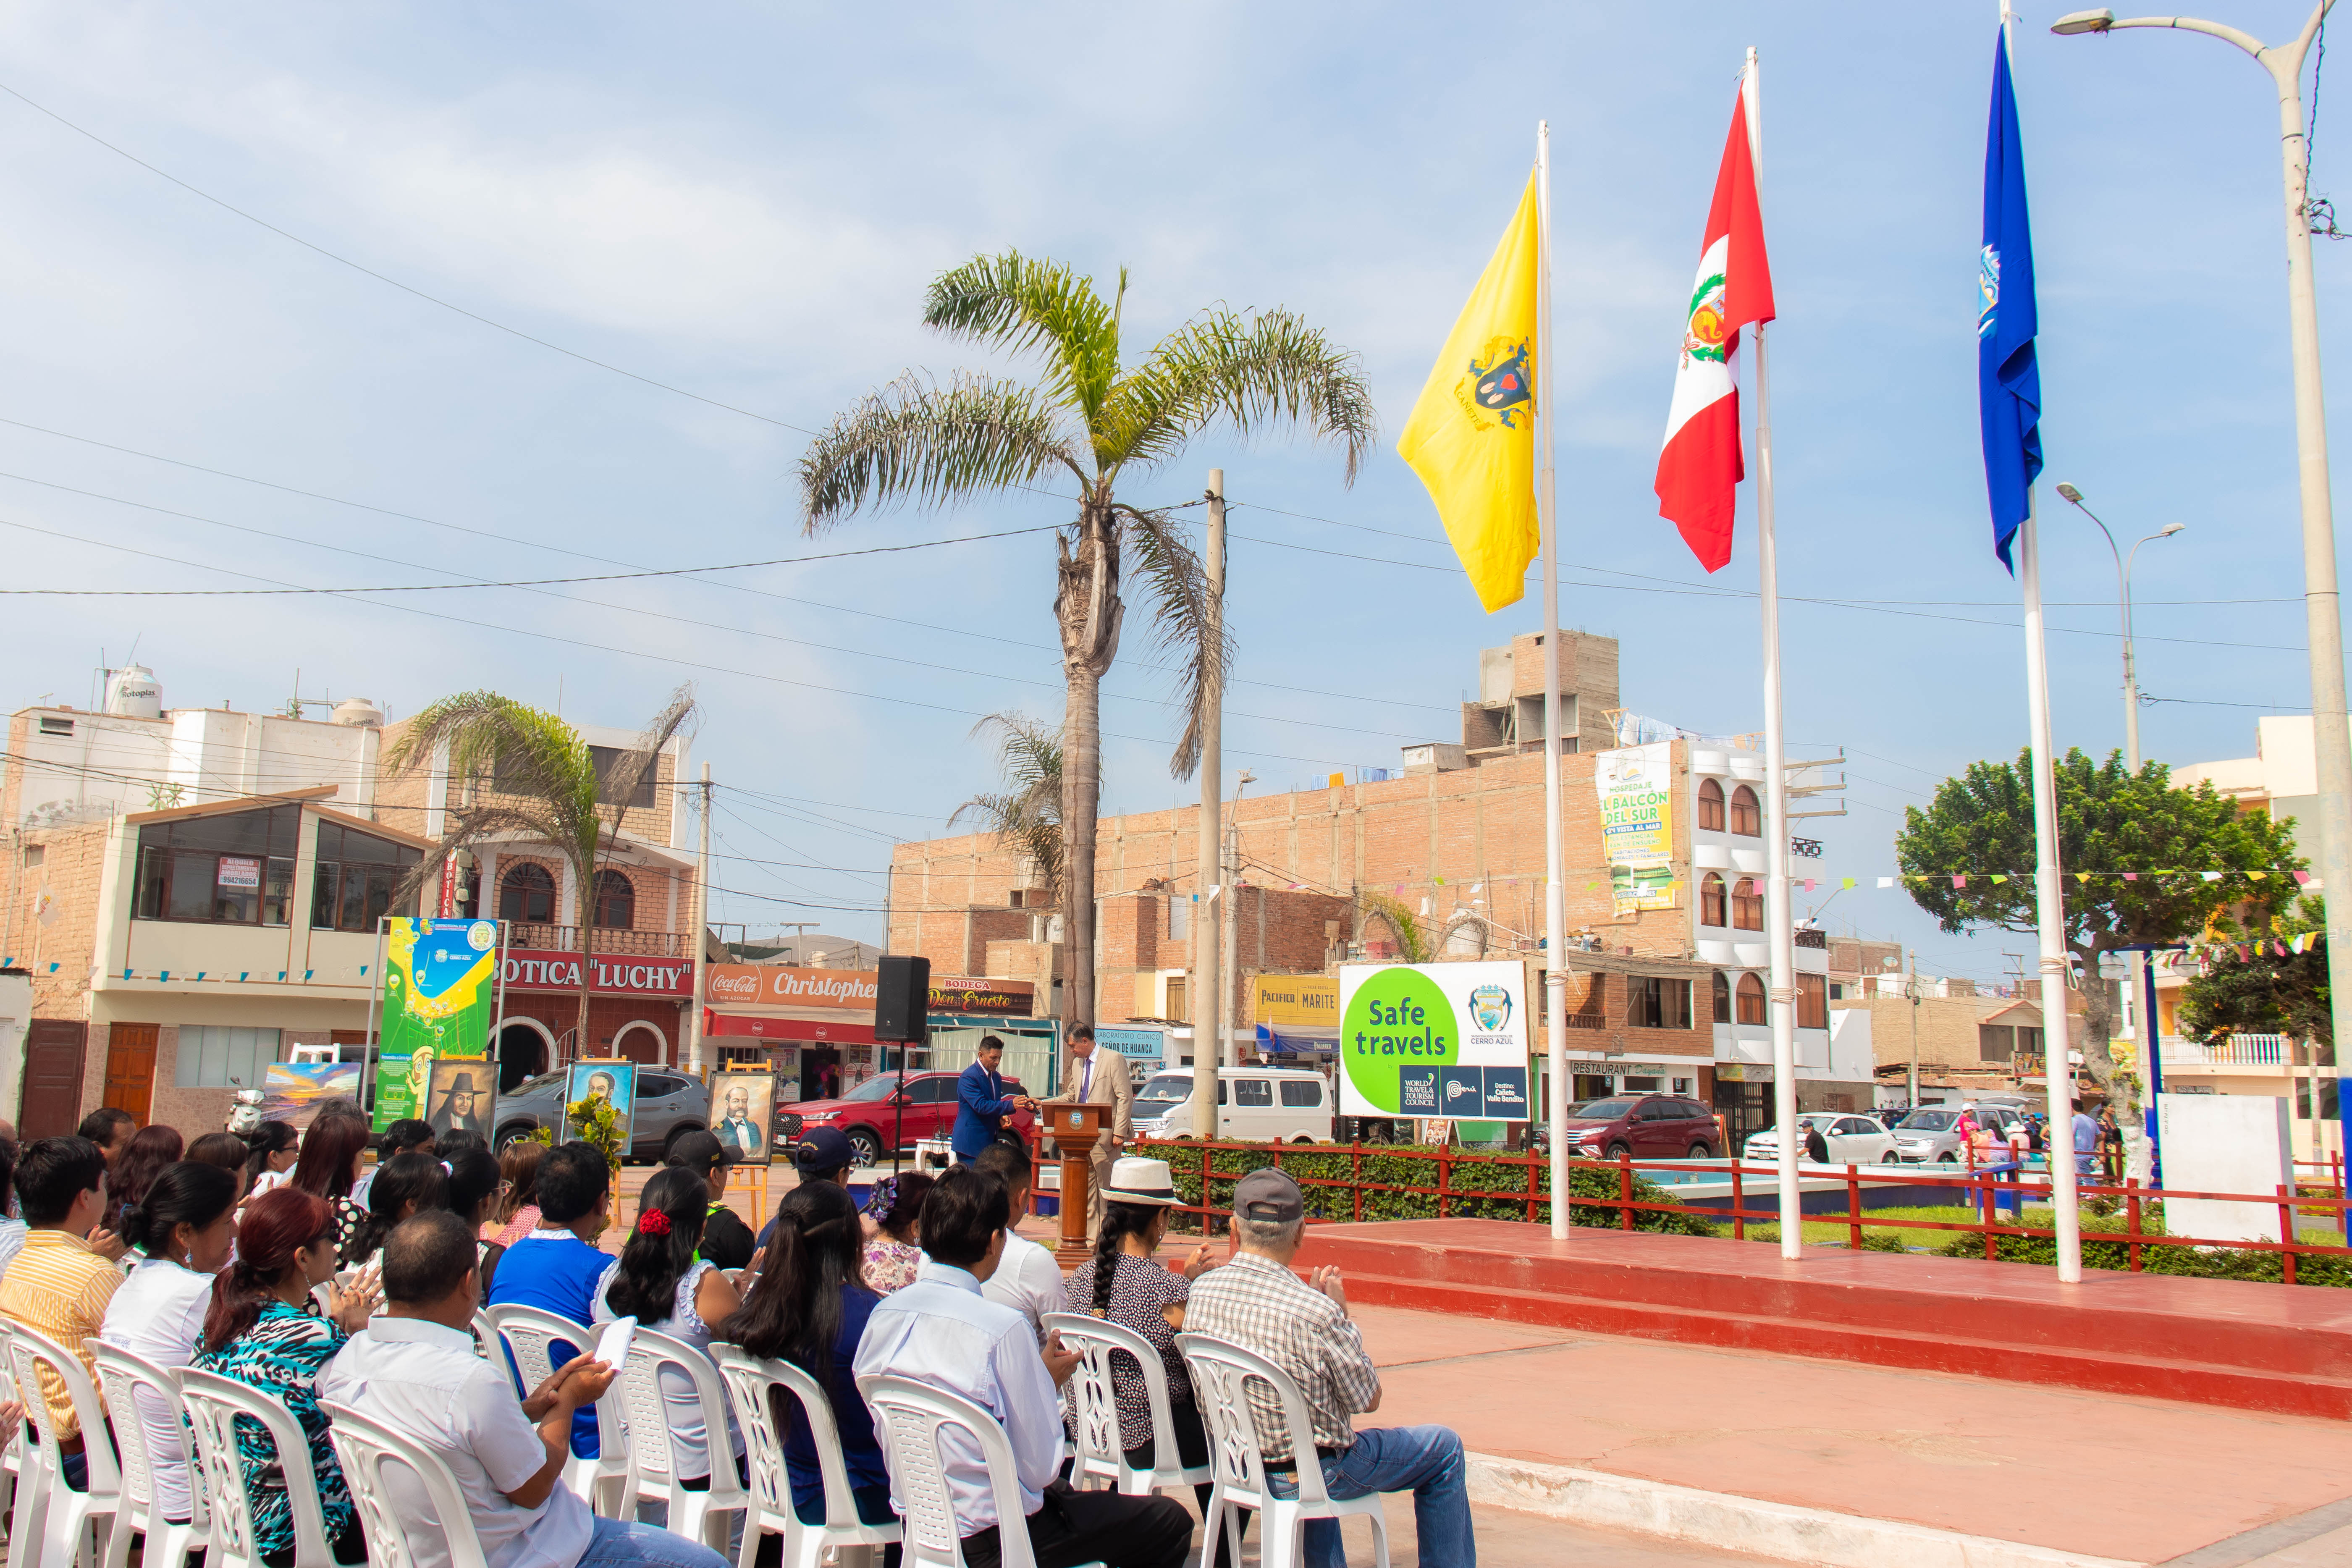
{"points": [[2272, 1348]]}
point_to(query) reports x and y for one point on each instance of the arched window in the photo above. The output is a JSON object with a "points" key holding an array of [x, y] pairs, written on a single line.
{"points": [[1711, 898], [1710, 805], [527, 893], [1747, 820], [1722, 997], [1747, 904], [617, 901], [1752, 1000]]}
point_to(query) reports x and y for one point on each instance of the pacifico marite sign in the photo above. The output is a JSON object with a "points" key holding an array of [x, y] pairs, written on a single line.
{"points": [[1433, 1039]]}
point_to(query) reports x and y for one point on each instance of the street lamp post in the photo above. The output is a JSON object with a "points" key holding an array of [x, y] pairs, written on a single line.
{"points": [[2331, 737], [2149, 1040]]}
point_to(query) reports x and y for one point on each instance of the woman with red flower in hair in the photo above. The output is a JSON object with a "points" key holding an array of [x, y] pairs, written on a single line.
{"points": [[659, 1282]]}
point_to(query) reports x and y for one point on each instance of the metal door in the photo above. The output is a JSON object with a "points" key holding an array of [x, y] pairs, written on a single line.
{"points": [[53, 1049], [130, 1069]]}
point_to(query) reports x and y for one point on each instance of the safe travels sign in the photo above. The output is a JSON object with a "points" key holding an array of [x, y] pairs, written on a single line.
{"points": [[1433, 1040]]}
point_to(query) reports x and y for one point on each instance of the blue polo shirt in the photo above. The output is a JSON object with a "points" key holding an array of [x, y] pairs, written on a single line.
{"points": [[555, 1271]]}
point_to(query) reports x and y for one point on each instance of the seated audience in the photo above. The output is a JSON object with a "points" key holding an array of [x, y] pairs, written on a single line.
{"points": [[473, 1191], [261, 1327], [408, 1136], [330, 1163], [518, 1209], [1122, 1285], [1027, 1280], [726, 1240], [111, 1130], [1256, 1302], [414, 1370], [11, 1228], [807, 1307], [127, 1179], [223, 1150], [456, 1142], [58, 1286], [182, 1232], [273, 1145], [408, 1184], [896, 1208], [943, 1332], [660, 1281], [556, 1267], [822, 1155]]}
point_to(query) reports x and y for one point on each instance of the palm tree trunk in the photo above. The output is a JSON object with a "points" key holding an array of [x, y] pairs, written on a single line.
{"points": [[586, 909], [1081, 799]]}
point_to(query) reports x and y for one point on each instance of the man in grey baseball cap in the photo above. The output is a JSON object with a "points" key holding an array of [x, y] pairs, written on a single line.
{"points": [[1256, 1302]]}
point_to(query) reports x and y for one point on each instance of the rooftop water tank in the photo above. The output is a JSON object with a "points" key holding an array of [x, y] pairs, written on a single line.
{"points": [[357, 711], [132, 693]]}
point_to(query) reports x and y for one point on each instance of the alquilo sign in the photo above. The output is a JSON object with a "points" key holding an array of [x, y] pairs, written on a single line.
{"points": [[1433, 1040]]}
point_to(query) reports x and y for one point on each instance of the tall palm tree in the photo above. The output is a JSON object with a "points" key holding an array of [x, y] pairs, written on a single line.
{"points": [[542, 786], [1088, 419], [1026, 814]]}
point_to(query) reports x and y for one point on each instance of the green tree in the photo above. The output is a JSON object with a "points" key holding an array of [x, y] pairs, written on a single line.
{"points": [[1089, 420], [1393, 912], [1026, 814], [2261, 991], [2110, 820], [528, 775]]}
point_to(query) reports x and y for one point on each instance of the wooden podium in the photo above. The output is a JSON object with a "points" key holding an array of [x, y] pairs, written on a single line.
{"points": [[1075, 1128]]}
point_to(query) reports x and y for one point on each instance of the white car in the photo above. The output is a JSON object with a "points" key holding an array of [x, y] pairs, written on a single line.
{"points": [[1269, 1105], [1852, 1140]]}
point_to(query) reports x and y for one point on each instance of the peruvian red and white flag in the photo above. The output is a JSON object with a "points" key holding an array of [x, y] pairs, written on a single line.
{"points": [[1700, 469]]}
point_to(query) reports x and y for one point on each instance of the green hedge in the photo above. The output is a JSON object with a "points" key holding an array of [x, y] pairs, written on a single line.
{"points": [[2197, 1263], [1410, 1167]]}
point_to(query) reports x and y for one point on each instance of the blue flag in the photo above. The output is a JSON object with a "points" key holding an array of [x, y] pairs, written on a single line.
{"points": [[2009, 382]]}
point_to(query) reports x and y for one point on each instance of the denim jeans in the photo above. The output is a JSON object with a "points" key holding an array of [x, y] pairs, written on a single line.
{"points": [[626, 1544], [1424, 1460]]}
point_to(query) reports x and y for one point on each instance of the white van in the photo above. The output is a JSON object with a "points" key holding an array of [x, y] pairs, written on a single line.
{"points": [[1255, 1105]]}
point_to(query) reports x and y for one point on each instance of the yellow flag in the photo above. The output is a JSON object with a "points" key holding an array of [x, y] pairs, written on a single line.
{"points": [[1471, 435]]}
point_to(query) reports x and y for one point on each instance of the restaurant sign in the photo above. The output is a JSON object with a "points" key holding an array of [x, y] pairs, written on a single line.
{"points": [[960, 993], [547, 969]]}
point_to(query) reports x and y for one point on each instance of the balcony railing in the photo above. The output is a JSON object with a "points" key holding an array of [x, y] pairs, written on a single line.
{"points": [[2237, 1051], [1807, 937], [602, 938]]}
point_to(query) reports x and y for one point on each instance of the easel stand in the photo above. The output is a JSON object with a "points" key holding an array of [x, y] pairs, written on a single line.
{"points": [[1076, 1130]]}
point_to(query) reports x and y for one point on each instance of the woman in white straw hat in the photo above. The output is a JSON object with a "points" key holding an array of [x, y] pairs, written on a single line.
{"points": [[1122, 1284]]}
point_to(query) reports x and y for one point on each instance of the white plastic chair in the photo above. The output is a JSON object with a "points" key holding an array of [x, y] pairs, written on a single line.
{"points": [[131, 1386], [913, 1418], [530, 1333], [1099, 1450], [486, 1336], [371, 1452], [653, 1459], [1221, 1374], [55, 1524], [749, 1383], [11, 1459], [214, 1404]]}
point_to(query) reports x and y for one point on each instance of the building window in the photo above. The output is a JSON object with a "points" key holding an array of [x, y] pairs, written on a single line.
{"points": [[56, 726], [1710, 805], [617, 901], [212, 1055], [357, 877], [609, 760], [1812, 1001], [1180, 917], [35, 855], [1996, 1043], [1746, 903], [1722, 998], [1752, 1000], [2028, 1040], [232, 869], [1711, 902], [1746, 819], [1653, 1002], [527, 894]]}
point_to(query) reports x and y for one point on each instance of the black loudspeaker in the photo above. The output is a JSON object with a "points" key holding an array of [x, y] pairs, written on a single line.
{"points": [[902, 998]]}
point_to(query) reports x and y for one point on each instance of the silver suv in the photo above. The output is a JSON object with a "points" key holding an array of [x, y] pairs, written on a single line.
{"points": [[668, 1105]]}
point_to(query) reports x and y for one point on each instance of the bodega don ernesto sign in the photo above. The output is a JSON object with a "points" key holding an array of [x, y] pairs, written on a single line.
{"points": [[1433, 1040]]}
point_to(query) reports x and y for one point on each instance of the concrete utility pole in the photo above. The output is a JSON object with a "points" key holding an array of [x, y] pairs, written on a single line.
{"points": [[1913, 988], [701, 925], [1229, 1055], [1209, 985]]}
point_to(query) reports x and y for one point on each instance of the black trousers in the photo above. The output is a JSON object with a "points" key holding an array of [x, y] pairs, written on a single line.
{"points": [[1074, 1527], [1192, 1449]]}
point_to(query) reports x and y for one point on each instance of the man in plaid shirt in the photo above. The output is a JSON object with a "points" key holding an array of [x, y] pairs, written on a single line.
{"points": [[1256, 1302]]}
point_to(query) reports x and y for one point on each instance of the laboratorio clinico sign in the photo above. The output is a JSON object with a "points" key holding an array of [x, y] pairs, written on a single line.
{"points": [[1433, 1040]]}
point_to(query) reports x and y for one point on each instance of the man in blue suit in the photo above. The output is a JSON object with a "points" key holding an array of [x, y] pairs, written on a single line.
{"points": [[982, 1104]]}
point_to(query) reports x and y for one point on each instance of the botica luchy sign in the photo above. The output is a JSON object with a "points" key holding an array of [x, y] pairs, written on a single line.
{"points": [[783, 985], [544, 969]]}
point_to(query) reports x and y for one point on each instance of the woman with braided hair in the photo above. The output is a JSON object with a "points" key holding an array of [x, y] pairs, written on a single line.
{"points": [[1122, 1284], [809, 1307], [659, 1282]]}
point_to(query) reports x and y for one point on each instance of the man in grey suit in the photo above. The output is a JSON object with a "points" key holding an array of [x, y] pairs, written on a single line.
{"points": [[1094, 1078]]}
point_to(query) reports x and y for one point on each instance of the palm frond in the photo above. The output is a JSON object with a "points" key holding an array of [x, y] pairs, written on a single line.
{"points": [[1176, 588], [1018, 303], [1246, 370], [918, 441], [639, 763], [1028, 814], [474, 827]]}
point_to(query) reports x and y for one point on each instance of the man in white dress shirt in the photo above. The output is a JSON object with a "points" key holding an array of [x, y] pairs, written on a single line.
{"points": [[1027, 1280], [414, 1370], [941, 1331]]}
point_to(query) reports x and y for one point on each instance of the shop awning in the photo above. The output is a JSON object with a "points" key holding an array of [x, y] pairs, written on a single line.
{"points": [[1296, 1042]]}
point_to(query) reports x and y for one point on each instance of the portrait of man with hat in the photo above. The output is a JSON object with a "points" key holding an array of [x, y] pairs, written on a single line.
{"points": [[461, 1090]]}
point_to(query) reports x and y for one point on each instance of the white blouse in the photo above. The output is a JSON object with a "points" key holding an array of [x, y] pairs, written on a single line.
{"points": [[159, 1313]]}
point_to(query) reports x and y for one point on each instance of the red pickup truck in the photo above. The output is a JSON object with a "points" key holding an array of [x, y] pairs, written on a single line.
{"points": [[876, 1111]]}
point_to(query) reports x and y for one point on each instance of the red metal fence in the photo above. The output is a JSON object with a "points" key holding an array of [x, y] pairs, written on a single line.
{"points": [[1988, 1191]]}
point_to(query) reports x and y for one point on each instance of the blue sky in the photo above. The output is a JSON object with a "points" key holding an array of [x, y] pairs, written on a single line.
{"points": [[746, 203]]}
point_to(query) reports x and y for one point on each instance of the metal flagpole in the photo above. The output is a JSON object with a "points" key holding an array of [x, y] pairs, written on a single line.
{"points": [[1555, 870], [1780, 917], [2048, 906]]}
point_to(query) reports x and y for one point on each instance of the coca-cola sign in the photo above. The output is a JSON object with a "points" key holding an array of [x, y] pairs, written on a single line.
{"points": [[786, 986], [544, 969]]}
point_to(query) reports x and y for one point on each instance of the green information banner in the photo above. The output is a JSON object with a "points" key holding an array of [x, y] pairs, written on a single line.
{"points": [[1434, 1041], [440, 991]]}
